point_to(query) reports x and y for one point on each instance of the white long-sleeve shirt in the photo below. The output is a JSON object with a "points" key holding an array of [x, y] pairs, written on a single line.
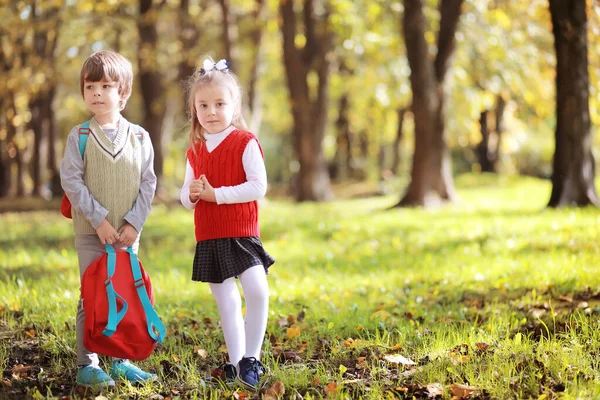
{"points": [[253, 189]]}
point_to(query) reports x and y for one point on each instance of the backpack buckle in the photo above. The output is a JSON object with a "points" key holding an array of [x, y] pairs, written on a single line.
{"points": [[84, 131], [138, 283]]}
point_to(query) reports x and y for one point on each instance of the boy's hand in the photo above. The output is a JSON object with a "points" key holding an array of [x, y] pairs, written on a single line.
{"points": [[208, 194], [107, 233], [196, 188], [127, 234]]}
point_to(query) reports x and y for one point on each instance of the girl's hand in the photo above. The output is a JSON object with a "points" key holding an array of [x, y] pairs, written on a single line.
{"points": [[208, 194], [196, 188], [127, 235]]}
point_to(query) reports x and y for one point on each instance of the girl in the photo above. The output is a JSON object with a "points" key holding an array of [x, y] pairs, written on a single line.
{"points": [[225, 176]]}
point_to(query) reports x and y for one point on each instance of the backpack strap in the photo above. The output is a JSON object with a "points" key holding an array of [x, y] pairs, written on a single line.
{"points": [[84, 131], [114, 317], [156, 329]]}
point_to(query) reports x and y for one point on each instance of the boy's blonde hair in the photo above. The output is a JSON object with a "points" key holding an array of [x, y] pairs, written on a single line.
{"points": [[110, 65], [221, 78]]}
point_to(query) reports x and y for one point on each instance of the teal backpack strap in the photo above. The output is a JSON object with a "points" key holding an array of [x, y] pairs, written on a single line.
{"points": [[137, 131], [114, 317], [156, 329], [84, 131]]}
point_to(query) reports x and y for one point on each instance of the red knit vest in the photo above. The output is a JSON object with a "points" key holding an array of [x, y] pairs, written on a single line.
{"points": [[223, 167]]}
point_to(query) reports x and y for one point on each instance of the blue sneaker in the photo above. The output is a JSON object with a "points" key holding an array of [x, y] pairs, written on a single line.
{"points": [[91, 376], [250, 372], [128, 371]]}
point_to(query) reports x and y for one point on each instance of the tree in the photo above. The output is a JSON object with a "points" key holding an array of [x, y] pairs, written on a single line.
{"points": [[573, 165], [151, 81], [431, 178], [309, 110]]}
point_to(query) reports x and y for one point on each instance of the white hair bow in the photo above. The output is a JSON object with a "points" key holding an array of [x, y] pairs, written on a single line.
{"points": [[208, 65]]}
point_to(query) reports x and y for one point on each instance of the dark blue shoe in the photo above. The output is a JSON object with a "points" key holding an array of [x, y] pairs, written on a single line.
{"points": [[251, 370]]}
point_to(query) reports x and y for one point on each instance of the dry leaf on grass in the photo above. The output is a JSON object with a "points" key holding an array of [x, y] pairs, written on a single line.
{"points": [[398, 359], [331, 388], [239, 395], [435, 389], [462, 391], [275, 392], [292, 332]]}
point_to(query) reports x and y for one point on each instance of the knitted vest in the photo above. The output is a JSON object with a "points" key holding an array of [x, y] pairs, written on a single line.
{"points": [[112, 174], [223, 167]]}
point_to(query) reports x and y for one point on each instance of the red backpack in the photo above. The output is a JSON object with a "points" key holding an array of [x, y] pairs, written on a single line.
{"points": [[117, 300], [84, 131]]}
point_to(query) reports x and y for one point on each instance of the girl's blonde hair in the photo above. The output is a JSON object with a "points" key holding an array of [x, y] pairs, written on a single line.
{"points": [[215, 78]]}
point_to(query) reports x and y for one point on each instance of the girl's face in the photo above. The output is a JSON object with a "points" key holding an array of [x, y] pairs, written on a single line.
{"points": [[214, 108]]}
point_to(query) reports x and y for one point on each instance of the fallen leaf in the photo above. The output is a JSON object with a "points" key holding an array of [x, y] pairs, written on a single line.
{"points": [[331, 388], [291, 319], [462, 391], [301, 316], [20, 369], [482, 346], [361, 363], [316, 381], [275, 392], [175, 358], [239, 395], [292, 332], [282, 322], [381, 314], [567, 298], [435, 389], [398, 359], [200, 351]]}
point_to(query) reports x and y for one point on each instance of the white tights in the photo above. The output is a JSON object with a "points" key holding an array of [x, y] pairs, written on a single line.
{"points": [[243, 339]]}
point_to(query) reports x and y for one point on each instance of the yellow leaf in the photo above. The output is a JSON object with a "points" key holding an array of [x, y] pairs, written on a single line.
{"points": [[292, 332]]}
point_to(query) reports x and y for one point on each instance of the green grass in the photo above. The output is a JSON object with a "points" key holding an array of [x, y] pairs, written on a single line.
{"points": [[495, 291]]}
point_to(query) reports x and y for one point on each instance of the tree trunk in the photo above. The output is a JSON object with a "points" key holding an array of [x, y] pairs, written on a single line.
{"points": [[151, 82], [53, 168], [310, 115], [190, 36], [573, 167], [499, 130], [255, 106], [483, 149], [227, 32], [396, 147], [342, 160], [35, 124], [431, 179]]}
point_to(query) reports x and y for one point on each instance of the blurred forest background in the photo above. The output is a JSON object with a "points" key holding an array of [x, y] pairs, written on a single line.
{"points": [[498, 86]]}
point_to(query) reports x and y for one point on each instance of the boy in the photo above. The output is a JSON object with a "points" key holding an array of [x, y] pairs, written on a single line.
{"points": [[111, 189]]}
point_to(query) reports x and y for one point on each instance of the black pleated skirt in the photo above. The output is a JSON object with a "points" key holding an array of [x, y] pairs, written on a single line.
{"points": [[219, 259]]}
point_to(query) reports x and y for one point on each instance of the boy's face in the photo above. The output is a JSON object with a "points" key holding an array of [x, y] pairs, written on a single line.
{"points": [[214, 108], [102, 97]]}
